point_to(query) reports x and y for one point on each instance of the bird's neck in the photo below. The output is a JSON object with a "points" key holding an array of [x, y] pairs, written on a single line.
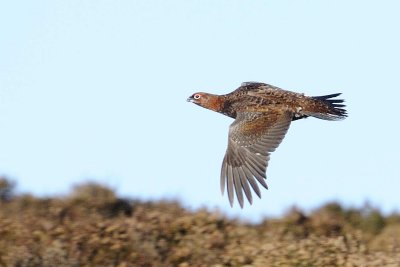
{"points": [[220, 104], [215, 102]]}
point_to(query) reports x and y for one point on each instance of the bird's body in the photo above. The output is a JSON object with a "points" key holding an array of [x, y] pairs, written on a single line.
{"points": [[262, 114]]}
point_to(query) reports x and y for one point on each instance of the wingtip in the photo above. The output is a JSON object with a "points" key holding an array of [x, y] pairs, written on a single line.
{"points": [[250, 201]]}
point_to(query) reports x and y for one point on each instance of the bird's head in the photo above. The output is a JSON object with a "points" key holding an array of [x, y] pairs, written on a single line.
{"points": [[208, 101], [199, 98]]}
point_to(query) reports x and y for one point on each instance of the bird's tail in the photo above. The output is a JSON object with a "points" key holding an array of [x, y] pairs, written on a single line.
{"points": [[326, 107]]}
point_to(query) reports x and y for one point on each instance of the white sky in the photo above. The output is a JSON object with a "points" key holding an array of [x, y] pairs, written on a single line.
{"points": [[97, 90]]}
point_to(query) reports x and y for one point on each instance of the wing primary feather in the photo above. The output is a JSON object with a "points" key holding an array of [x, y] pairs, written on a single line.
{"points": [[245, 185], [230, 185], [260, 178], [257, 169], [238, 186], [254, 184], [223, 176], [257, 162]]}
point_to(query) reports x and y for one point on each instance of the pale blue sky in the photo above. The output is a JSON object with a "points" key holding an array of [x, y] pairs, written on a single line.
{"points": [[97, 90]]}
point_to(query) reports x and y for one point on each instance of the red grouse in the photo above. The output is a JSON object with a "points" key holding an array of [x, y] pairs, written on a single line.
{"points": [[262, 114]]}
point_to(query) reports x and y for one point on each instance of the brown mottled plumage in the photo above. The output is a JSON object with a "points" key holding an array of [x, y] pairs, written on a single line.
{"points": [[262, 114]]}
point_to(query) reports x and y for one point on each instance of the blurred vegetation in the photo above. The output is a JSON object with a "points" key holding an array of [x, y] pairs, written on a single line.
{"points": [[94, 227]]}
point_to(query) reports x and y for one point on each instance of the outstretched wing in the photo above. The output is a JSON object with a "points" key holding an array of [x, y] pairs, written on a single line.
{"points": [[252, 136]]}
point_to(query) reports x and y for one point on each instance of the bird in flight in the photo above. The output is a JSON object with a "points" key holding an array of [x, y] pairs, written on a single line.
{"points": [[262, 114]]}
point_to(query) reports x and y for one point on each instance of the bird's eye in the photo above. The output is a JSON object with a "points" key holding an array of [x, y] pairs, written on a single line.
{"points": [[196, 96]]}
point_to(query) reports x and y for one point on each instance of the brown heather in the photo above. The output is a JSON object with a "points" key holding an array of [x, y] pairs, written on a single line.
{"points": [[93, 227]]}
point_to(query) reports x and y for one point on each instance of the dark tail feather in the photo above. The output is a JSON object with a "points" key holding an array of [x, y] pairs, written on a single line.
{"points": [[328, 108]]}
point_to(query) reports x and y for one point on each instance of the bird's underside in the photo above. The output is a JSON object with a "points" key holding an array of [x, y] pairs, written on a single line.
{"points": [[262, 114]]}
